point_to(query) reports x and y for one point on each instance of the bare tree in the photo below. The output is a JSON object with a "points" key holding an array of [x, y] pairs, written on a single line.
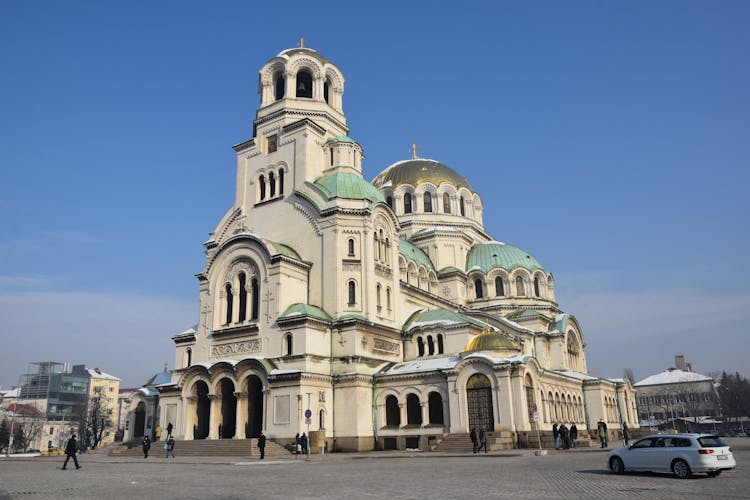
{"points": [[628, 374], [98, 420]]}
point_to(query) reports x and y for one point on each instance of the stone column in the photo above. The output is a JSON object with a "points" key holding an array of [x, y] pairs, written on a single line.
{"points": [[190, 409], [404, 416], [241, 419], [425, 413], [215, 417], [266, 398], [446, 415]]}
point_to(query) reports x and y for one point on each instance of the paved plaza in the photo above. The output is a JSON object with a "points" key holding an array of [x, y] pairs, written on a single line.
{"points": [[513, 474]]}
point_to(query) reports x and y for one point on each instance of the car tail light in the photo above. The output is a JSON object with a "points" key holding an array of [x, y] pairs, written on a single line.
{"points": [[705, 452]]}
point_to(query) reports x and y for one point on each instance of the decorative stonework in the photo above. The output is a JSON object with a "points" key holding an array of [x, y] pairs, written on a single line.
{"points": [[246, 346], [386, 346]]}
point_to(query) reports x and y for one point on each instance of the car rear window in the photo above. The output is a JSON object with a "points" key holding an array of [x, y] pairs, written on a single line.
{"points": [[711, 441]]}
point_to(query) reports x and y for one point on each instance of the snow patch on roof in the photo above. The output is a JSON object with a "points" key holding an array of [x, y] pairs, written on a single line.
{"points": [[576, 375], [433, 322], [672, 376], [100, 374], [423, 365]]}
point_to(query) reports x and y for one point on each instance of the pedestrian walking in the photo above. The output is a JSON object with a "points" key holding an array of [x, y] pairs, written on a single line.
{"points": [[564, 436], [573, 435], [169, 446], [625, 434], [473, 437], [146, 446], [303, 442], [169, 429], [71, 448], [556, 435], [262, 445], [482, 440], [601, 429]]}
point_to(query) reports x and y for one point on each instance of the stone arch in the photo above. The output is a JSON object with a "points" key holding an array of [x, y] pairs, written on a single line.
{"points": [[435, 408], [392, 411], [413, 409]]}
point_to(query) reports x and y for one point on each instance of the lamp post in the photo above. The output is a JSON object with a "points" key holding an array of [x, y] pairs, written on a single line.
{"points": [[308, 419]]}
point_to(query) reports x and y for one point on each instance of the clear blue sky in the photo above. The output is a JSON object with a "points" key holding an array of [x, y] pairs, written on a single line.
{"points": [[611, 140]]}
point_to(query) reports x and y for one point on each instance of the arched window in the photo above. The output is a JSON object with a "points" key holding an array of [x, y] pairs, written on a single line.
{"points": [[230, 302], [189, 360], [536, 287], [352, 293], [478, 291], [530, 403], [279, 85], [440, 343], [381, 244], [392, 412], [350, 247], [420, 346], [243, 296], [288, 344], [407, 203], [519, 287], [427, 202], [388, 298], [304, 84], [446, 203], [461, 206], [271, 185], [430, 345], [262, 186], [255, 290], [326, 86], [389, 201], [499, 288], [375, 246], [281, 182], [377, 296], [435, 407], [413, 410], [331, 150], [321, 420]]}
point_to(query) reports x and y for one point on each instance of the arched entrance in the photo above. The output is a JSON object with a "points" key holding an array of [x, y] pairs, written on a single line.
{"points": [[140, 420], [203, 410], [228, 409], [479, 403], [254, 424]]}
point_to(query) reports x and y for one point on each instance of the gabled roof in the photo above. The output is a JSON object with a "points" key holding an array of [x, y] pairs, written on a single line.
{"points": [[300, 309], [672, 376], [429, 317]]}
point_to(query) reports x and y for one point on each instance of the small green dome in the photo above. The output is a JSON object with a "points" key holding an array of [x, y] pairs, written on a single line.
{"points": [[348, 185], [486, 256]]}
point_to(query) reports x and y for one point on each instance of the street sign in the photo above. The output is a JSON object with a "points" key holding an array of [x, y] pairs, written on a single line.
{"points": [[308, 421], [536, 416], [308, 414]]}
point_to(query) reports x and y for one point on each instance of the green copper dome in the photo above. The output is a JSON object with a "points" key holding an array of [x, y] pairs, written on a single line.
{"points": [[348, 185], [486, 256], [418, 171]]}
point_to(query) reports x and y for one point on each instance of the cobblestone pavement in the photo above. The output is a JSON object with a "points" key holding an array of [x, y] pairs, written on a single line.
{"points": [[518, 474]]}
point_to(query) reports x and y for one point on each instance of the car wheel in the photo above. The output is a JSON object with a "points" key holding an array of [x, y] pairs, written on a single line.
{"points": [[681, 469], [616, 465], [714, 473]]}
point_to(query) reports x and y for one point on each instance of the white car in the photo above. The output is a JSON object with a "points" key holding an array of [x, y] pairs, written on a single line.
{"points": [[683, 454]]}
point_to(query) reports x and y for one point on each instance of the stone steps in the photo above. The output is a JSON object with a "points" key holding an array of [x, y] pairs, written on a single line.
{"points": [[461, 443], [206, 448]]}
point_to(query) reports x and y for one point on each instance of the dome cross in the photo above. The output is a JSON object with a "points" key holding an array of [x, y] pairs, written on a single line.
{"points": [[413, 151]]}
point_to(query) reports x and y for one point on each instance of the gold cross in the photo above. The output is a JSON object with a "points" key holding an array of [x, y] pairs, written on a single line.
{"points": [[302, 42], [413, 150]]}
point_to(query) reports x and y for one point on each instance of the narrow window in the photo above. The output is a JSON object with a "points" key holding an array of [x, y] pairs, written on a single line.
{"points": [[377, 292], [375, 246], [499, 288], [440, 343], [389, 201], [446, 203], [388, 298], [326, 85], [243, 297], [280, 84], [413, 410], [189, 357], [435, 408], [262, 186], [430, 345], [281, 182], [407, 203], [304, 84], [462, 207], [350, 245], [519, 286], [321, 420], [381, 243], [536, 287], [288, 342], [392, 412], [272, 144], [255, 290], [478, 289], [352, 293], [420, 346], [272, 184], [427, 202], [331, 150], [230, 300]]}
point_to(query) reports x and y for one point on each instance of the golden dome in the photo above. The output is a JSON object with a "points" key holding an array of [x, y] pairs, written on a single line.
{"points": [[492, 341], [418, 171]]}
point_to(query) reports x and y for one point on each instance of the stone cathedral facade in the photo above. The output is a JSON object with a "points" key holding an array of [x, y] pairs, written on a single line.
{"points": [[383, 307]]}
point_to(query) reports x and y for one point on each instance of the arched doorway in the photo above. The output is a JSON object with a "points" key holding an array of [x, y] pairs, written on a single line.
{"points": [[479, 402], [203, 410], [228, 409], [254, 424], [140, 420]]}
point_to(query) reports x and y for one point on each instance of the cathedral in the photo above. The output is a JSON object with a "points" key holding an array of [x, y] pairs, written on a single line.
{"points": [[377, 314]]}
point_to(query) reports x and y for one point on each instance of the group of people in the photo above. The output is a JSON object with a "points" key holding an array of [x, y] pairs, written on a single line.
{"points": [[478, 441], [565, 438], [300, 443], [168, 444]]}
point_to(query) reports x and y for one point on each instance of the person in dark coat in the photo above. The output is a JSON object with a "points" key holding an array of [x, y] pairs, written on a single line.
{"points": [[564, 436], [169, 446], [473, 437], [482, 440], [169, 429], [303, 442], [601, 429], [146, 446], [573, 435], [71, 448], [556, 435], [262, 445], [625, 434]]}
